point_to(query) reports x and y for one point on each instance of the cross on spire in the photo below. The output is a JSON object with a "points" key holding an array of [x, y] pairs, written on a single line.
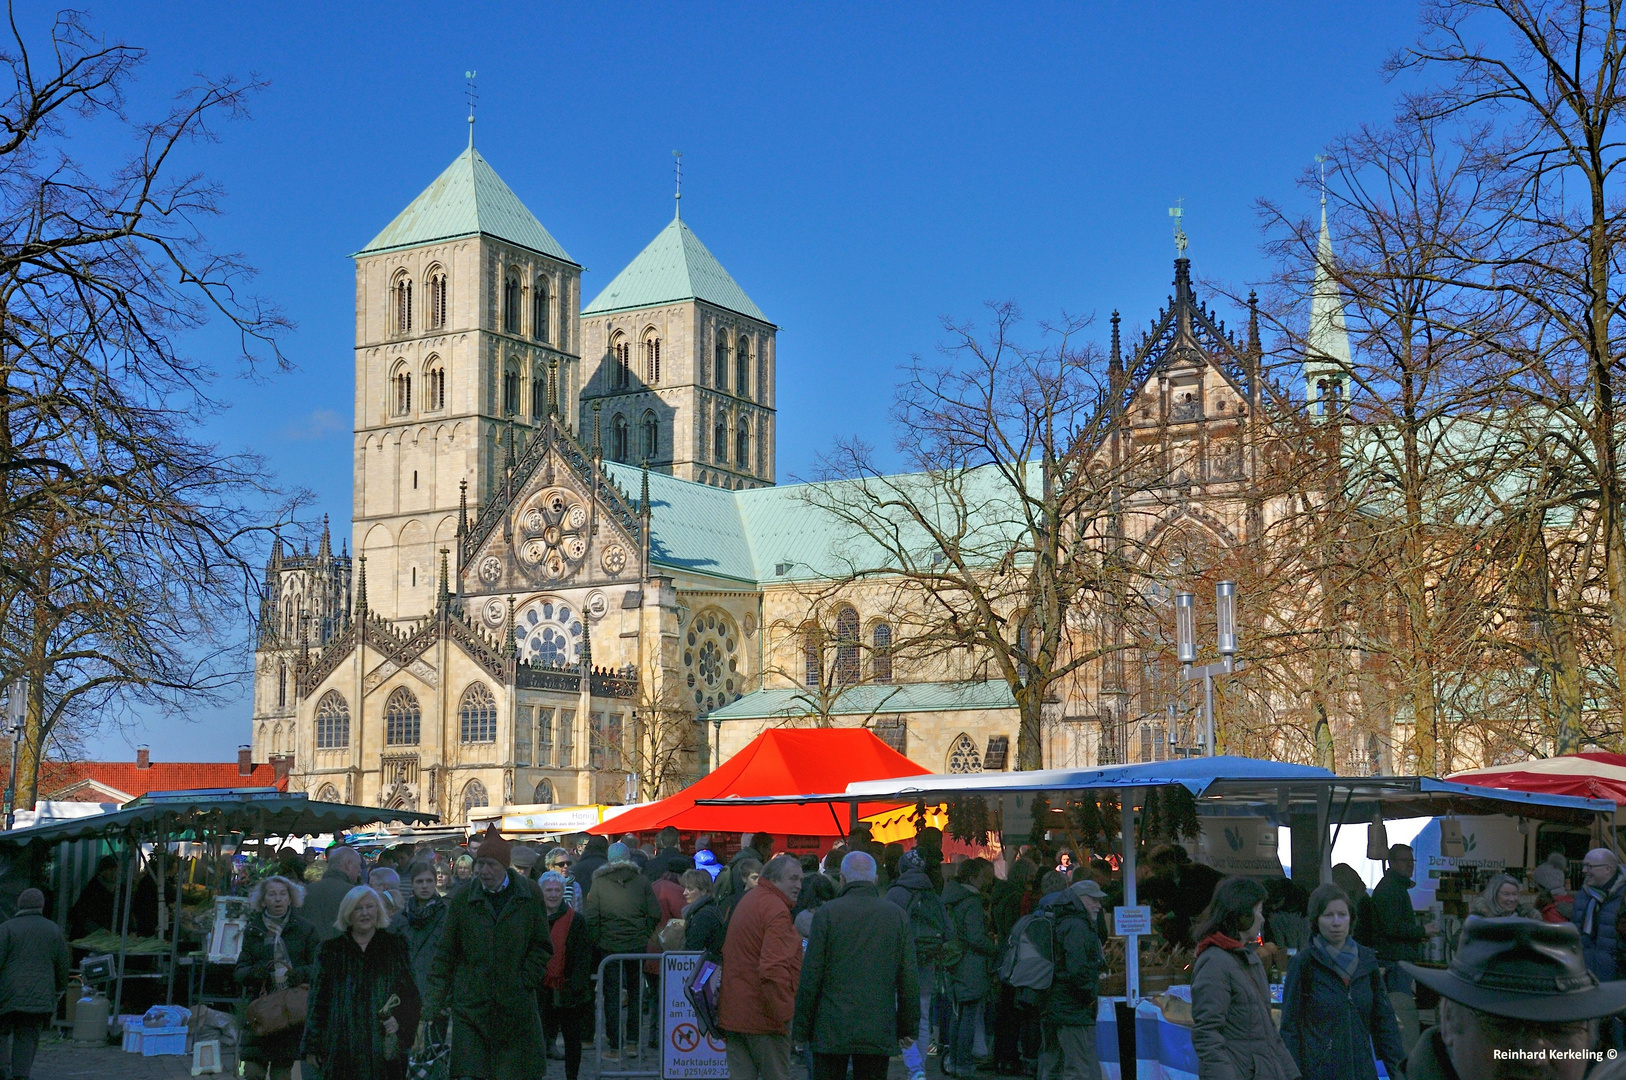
{"points": [[1178, 213], [677, 197], [473, 97], [1321, 163]]}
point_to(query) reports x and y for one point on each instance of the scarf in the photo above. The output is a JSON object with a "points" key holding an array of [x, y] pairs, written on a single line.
{"points": [[556, 964], [1344, 961], [1224, 941], [1599, 898], [419, 912], [279, 948]]}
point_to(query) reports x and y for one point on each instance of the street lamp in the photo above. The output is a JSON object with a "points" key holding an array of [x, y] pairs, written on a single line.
{"points": [[1185, 629]]}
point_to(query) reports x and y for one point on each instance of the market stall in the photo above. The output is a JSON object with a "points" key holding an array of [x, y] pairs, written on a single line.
{"points": [[155, 823]]}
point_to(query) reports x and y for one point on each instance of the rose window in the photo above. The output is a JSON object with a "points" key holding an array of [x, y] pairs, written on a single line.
{"points": [[548, 632], [552, 534], [711, 661]]}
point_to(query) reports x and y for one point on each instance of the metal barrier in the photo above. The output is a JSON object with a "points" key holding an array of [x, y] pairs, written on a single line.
{"points": [[636, 1012]]}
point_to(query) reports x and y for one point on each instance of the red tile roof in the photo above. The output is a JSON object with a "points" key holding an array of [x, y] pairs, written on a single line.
{"points": [[59, 779]]}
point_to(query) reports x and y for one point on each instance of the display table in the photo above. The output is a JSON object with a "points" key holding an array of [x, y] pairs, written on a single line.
{"points": [[1163, 1050]]}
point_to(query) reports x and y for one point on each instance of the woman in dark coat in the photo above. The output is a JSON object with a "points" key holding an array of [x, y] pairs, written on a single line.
{"points": [[703, 926], [1232, 1030], [279, 952], [351, 1021], [1335, 1008], [566, 994], [421, 921]]}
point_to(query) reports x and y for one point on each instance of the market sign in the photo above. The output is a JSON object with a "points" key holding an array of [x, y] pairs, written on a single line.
{"points": [[686, 1053], [1239, 845], [1131, 920]]}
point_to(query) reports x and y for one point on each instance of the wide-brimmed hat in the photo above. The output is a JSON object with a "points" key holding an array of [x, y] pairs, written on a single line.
{"points": [[1523, 969]]}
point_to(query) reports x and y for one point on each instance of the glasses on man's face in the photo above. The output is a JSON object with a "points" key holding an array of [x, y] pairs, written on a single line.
{"points": [[560, 863]]}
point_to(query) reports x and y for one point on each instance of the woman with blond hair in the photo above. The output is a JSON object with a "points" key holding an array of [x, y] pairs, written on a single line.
{"points": [[364, 1004], [1501, 898], [279, 953]]}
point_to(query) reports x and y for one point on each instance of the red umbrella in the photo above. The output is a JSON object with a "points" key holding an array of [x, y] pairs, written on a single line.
{"points": [[780, 761], [1593, 775]]}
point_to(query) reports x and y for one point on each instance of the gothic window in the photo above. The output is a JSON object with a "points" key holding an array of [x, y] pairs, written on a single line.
{"points": [[282, 685], [567, 737], [720, 442], [548, 632], [539, 394], [1374, 755], [402, 718], [539, 310], [847, 647], [544, 737], [880, 663], [477, 715], [510, 392], [720, 367], [813, 655], [893, 731], [999, 752], [434, 385], [1146, 742], [436, 282], [652, 437], [742, 444], [510, 305], [474, 797], [619, 438], [544, 792], [332, 722], [620, 363], [742, 367], [402, 384], [652, 359], [963, 755], [327, 793], [711, 661], [402, 291]]}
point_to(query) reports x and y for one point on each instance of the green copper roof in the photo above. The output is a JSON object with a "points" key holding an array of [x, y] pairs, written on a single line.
{"points": [[675, 266], [870, 699], [468, 199]]}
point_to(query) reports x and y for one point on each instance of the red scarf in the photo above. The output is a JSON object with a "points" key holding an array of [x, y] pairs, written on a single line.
{"points": [[556, 965], [1217, 938]]}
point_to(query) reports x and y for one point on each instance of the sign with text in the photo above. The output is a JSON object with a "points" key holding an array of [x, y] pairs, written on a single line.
{"points": [[686, 1054], [1131, 920]]}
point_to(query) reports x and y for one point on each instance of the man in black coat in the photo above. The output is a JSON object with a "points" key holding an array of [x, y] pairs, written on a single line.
{"points": [[322, 898], [588, 863], [33, 974], [1070, 1003], [858, 999], [666, 849]]}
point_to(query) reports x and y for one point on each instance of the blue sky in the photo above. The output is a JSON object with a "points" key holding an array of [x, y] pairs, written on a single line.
{"points": [[861, 170]]}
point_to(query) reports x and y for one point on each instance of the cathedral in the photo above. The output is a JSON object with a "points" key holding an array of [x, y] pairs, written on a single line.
{"points": [[566, 526]]}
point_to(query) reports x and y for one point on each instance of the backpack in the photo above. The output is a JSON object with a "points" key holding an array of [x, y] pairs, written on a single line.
{"points": [[935, 940], [1029, 962]]}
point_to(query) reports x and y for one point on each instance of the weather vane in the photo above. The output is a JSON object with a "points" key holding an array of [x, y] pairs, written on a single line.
{"points": [[677, 158], [1178, 213], [1321, 162], [473, 97]]}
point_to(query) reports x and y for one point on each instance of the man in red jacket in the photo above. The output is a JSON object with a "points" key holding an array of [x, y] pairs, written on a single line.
{"points": [[762, 962]]}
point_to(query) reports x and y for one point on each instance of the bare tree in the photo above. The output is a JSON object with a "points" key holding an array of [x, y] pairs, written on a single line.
{"points": [[125, 545]]}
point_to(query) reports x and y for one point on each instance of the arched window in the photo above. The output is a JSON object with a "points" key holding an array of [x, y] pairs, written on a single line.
{"points": [[719, 372], [619, 438], [813, 656], [401, 404], [963, 755], [1146, 742], [327, 793], [652, 437], [282, 685], [652, 359], [477, 715], [544, 792], [474, 796], [742, 367], [434, 385], [539, 310], [720, 442], [436, 282], [402, 292], [332, 722], [510, 305], [539, 394], [510, 392], [847, 669], [880, 663], [621, 362], [402, 718], [742, 444]]}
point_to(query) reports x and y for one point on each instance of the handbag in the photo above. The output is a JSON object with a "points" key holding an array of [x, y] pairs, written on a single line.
{"points": [[701, 990], [278, 1011], [431, 1057]]}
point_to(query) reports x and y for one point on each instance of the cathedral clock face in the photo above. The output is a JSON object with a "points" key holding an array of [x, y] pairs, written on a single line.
{"points": [[551, 535]]}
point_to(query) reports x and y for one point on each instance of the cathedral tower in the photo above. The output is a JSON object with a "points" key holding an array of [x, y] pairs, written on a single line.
{"points": [[1327, 358], [679, 367], [466, 337]]}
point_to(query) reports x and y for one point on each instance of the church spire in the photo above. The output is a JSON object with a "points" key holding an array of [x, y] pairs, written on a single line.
{"points": [[462, 507], [361, 589], [1327, 359], [324, 549]]}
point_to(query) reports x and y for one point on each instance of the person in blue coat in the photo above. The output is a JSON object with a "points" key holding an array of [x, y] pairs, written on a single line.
{"points": [[1336, 1015]]}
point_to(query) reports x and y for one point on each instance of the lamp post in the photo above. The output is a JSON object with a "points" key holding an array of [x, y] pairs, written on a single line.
{"points": [[1185, 629], [15, 727]]}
